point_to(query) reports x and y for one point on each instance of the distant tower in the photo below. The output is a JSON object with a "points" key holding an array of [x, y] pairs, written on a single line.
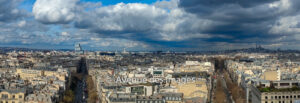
{"points": [[124, 51], [78, 49]]}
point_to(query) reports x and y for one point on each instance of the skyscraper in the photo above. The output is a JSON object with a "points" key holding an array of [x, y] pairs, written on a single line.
{"points": [[78, 49]]}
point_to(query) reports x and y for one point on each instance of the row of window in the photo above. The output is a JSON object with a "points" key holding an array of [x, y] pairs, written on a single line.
{"points": [[149, 101], [11, 102], [279, 102], [279, 97], [5, 96], [173, 98]]}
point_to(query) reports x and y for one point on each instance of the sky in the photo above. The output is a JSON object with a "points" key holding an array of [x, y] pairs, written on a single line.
{"points": [[147, 25]]}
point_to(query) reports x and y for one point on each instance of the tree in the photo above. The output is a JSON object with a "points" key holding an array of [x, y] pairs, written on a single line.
{"points": [[69, 96]]}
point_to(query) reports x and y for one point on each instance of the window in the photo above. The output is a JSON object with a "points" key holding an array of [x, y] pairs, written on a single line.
{"points": [[266, 102], [298, 96], [294, 96], [283, 96], [287, 96], [275, 97], [14, 96], [279, 97], [291, 96], [279, 101], [20, 96], [266, 97], [4, 96]]}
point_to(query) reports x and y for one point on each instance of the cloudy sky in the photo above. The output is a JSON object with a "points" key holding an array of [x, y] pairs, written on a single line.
{"points": [[176, 25]]}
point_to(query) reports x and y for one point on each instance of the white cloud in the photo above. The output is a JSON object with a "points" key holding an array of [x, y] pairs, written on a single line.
{"points": [[65, 34], [54, 11], [133, 17], [22, 23], [116, 42], [137, 25], [167, 4], [286, 26], [135, 21]]}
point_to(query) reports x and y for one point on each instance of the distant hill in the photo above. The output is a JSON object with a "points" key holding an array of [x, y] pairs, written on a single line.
{"points": [[9, 49], [246, 50]]}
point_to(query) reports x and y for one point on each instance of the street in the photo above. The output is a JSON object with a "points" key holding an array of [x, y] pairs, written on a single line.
{"points": [[226, 91], [81, 94]]}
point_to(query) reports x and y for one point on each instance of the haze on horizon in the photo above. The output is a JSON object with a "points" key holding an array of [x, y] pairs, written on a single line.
{"points": [[141, 25]]}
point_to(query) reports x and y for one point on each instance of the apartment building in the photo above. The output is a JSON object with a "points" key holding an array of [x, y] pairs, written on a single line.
{"points": [[12, 96], [281, 92]]}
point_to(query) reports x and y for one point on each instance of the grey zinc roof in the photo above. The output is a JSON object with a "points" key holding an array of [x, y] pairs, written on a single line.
{"points": [[13, 90]]}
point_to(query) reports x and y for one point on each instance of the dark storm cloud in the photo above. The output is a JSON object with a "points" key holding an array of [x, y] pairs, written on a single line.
{"points": [[242, 19], [210, 4], [196, 21], [231, 11], [176, 23], [140, 22]]}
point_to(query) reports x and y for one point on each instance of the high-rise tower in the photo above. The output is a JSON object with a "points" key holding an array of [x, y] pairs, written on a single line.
{"points": [[78, 49]]}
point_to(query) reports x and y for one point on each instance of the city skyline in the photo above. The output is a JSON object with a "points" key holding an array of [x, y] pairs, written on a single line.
{"points": [[149, 25]]}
